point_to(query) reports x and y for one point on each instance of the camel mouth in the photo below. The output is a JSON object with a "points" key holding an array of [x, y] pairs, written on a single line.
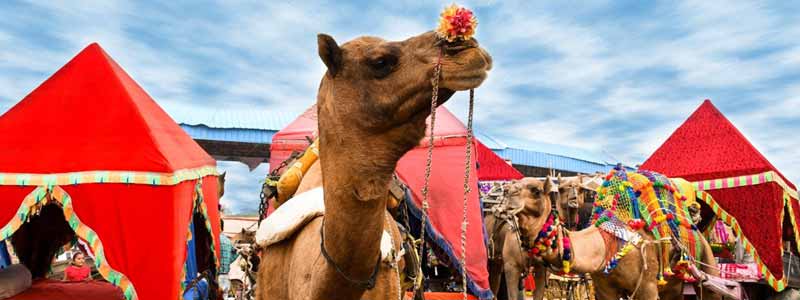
{"points": [[466, 70]]}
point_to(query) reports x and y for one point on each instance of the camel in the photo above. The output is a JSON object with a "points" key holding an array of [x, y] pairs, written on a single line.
{"points": [[589, 255], [372, 105], [572, 196], [508, 257], [574, 192]]}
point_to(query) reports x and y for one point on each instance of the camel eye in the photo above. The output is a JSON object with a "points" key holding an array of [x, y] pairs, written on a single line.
{"points": [[383, 66]]}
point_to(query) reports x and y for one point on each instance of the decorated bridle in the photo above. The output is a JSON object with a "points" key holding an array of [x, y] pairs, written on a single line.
{"points": [[553, 237], [573, 190]]}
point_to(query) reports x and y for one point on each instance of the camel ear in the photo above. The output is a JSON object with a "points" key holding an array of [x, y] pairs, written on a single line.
{"points": [[330, 53], [548, 185]]}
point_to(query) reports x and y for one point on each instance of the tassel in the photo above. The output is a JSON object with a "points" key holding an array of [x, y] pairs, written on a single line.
{"points": [[661, 281]]}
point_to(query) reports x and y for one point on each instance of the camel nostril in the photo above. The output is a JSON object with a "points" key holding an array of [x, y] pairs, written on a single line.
{"points": [[453, 48]]}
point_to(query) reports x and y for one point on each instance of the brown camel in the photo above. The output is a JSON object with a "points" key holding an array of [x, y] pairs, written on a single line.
{"points": [[572, 196], [508, 257], [589, 256], [372, 105]]}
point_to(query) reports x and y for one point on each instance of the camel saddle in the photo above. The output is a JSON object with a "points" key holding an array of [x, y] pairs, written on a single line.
{"points": [[293, 215], [728, 288]]}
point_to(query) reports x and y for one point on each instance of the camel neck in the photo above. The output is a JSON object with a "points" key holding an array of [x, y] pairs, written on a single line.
{"points": [[588, 248], [355, 179]]}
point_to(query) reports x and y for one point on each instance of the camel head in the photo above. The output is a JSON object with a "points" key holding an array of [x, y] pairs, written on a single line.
{"points": [[381, 90], [535, 196], [572, 196]]}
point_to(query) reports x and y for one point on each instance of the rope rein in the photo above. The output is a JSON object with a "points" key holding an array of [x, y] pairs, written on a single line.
{"points": [[467, 168], [644, 267], [437, 72]]}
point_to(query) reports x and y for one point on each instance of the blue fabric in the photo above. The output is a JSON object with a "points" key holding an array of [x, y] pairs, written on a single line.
{"points": [[198, 292], [5, 258], [191, 258]]}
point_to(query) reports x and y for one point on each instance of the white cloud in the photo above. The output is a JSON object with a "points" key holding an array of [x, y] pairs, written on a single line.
{"points": [[593, 76]]}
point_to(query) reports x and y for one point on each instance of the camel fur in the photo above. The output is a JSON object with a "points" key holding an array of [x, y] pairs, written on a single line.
{"points": [[372, 105]]}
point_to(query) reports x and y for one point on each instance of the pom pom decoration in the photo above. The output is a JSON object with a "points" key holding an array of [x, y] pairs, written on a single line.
{"points": [[456, 23], [636, 224]]}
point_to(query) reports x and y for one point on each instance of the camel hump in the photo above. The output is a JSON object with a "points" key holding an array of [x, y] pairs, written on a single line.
{"points": [[290, 217]]}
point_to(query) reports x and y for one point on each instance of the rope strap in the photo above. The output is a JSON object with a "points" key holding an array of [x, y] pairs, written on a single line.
{"points": [[365, 284]]}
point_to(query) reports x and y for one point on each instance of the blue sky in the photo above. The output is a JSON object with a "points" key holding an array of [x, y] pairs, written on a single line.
{"points": [[617, 76]]}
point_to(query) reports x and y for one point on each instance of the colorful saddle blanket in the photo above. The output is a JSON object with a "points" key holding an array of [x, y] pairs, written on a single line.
{"points": [[630, 201]]}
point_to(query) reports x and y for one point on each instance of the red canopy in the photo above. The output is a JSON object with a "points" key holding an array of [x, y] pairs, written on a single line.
{"points": [[126, 175], [493, 167], [294, 137], [446, 186], [746, 188]]}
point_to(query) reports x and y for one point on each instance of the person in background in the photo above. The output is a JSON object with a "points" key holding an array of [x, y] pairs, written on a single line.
{"points": [[77, 270], [228, 255]]}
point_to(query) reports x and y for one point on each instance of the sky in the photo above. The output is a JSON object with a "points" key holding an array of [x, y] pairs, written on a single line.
{"points": [[613, 76]]}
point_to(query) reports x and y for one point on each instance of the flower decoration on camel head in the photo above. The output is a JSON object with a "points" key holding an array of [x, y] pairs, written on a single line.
{"points": [[456, 23]]}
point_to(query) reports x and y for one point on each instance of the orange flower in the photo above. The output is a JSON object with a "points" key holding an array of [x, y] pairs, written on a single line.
{"points": [[456, 23]]}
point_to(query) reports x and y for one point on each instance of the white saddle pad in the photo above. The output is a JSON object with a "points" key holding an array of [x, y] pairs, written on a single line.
{"points": [[297, 212], [291, 216]]}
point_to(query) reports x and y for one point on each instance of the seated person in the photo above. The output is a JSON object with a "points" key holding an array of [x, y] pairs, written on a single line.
{"points": [[77, 270]]}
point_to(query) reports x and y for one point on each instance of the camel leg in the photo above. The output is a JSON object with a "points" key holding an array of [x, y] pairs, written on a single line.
{"points": [[540, 279], [513, 275], [495, 275]]}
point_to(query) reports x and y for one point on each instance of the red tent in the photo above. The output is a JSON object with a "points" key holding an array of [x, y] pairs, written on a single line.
{"points": [[126, 176], [446, 186], [736, 180]]}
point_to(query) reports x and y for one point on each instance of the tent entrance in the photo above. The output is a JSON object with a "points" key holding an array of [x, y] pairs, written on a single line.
{"points": [[204, 256], [201, 269], [39, 240]]}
